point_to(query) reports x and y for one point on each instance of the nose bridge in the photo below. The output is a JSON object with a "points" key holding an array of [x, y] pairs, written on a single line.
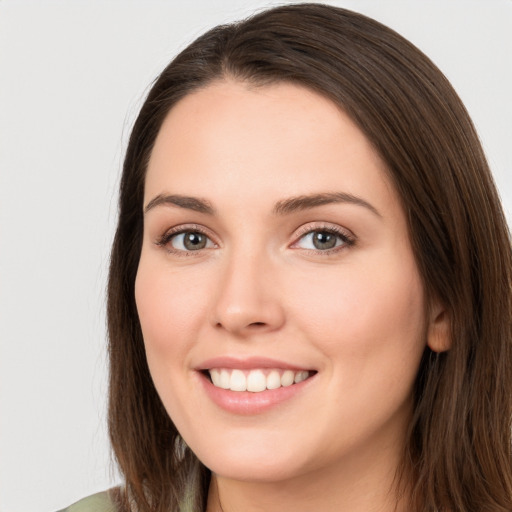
{"points": [[247, 297]]}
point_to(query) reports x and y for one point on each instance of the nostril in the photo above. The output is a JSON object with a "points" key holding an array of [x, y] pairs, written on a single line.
{"points": [[251, 326]]}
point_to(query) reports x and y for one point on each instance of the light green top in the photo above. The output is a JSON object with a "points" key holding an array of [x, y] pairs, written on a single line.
{"points": [[101, 502]]}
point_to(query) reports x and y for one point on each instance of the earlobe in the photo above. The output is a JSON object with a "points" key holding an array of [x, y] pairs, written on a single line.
{"points": [[438, 334]]}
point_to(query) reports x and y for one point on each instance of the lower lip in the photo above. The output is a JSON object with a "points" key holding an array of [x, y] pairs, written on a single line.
{"points": [[246, 402]]}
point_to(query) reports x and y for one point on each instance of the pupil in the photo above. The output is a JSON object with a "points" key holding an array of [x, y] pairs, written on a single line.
{"points": [[324, 240], [194, 241]]}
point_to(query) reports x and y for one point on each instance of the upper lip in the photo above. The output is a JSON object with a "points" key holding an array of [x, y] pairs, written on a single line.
{"points": [[248, 363]]}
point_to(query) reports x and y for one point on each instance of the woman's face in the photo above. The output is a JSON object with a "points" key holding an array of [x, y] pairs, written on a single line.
{"points": [[276, 250]]}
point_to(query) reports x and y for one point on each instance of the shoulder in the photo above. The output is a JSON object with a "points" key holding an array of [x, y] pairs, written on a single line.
{"points": [[100, 502]]}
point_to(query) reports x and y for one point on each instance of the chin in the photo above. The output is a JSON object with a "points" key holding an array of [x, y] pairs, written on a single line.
{"points": [[257, 462], [271, 471]]}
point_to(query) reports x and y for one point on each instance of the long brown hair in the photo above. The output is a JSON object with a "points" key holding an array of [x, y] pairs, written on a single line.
{"points": [[459, 446]]}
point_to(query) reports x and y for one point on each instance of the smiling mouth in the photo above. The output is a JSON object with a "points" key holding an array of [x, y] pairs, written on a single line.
{"points": [[256, 380]]}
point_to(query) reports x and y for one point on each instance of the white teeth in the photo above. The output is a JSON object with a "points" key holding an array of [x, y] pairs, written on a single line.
{"points": [[255, 380], [215, 375], [287, 378], [300, 376], [237, 382], [273, 380], [224, 379]]}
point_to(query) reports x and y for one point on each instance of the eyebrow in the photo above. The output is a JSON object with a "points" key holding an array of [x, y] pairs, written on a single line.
{"points": [[294, 204], [283, 207], [190, 203]]}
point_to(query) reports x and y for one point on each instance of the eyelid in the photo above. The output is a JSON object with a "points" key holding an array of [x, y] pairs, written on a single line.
{"points": [[164, 239], [346, 235]]}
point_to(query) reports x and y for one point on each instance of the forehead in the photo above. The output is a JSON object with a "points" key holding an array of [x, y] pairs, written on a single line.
{"points": [[280, 139]]}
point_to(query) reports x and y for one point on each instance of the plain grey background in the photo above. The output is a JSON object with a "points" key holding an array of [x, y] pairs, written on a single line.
{"points": [[72, 77]]}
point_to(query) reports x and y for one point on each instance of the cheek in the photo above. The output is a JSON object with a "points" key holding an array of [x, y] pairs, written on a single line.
{"points": [[170, 307], [369, 319], [369, 325]]}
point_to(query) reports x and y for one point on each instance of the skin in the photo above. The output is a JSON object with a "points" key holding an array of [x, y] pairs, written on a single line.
{"points": [[354, 314]]}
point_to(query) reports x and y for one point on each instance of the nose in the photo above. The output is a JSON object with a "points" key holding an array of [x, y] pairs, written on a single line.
{"points": [[248, 298]]}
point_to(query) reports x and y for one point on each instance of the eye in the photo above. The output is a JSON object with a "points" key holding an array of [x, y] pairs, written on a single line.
{"points": [[190, 241], [323, 239], [185, 240]]}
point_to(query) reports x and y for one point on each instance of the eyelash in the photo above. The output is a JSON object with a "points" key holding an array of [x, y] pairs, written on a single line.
{"points": [[346, 238], [165, 239]]}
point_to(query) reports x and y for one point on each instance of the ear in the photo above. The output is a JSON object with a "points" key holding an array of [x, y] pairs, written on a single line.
{"points": [[438, 332]]}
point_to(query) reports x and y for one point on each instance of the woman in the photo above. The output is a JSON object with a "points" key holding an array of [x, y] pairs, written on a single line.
{"points": [[309, 294]]}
